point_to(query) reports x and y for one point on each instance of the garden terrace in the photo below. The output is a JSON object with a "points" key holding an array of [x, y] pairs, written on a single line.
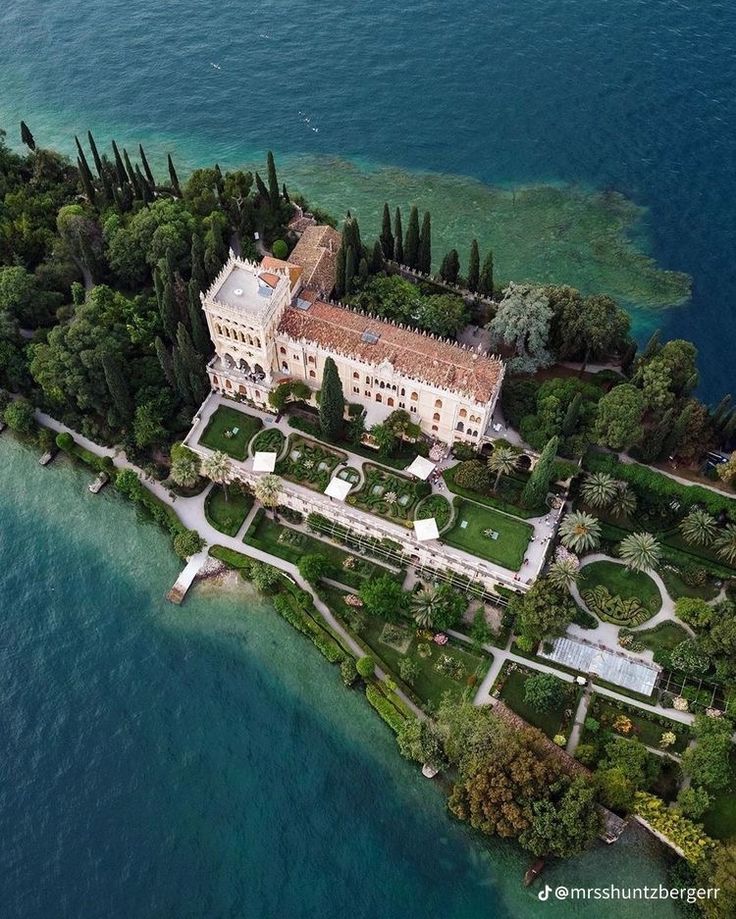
{"points": [[387, 494], [510, 689], [617, 595], [442, 669], [271, 440], [435, 506], [230, 431], [645, 726], [292, 545], [227, 514], [309, 463], [662, 638], [506, 499], [473, 532], [677, 586]]}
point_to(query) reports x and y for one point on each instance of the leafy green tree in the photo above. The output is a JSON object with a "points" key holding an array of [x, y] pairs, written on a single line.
{"points": [[543, 691], [148, 426], [708, 762], [449, 607], [693, 802], [618, 424], [640, 551], [188, 543], [689, 657], [313, 567], [408, 670], [332, 402], [580, 532], [480, 630], [264, 577], [411, 243], [694, 610], [424, 253], [542, 611], [474, 266], [566, 826], [384, 597], [535, 490], [365, 666], [522, 322], [129, 485], [19, 416]]}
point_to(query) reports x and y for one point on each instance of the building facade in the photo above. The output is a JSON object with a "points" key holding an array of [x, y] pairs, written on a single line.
{"points": [[269, 327]]}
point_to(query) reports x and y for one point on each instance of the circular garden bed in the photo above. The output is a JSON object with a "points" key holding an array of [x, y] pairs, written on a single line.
{"points": [[435, 506], [268, 441], [617, 595]]}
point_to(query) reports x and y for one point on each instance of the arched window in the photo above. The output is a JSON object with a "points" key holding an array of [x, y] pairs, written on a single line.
{"points": [[460, 427], [436, 416], [282, 350], [312, 374], [390, 402], [219, 328], [257, 394], [462, 413], [215, 381], [414, 396], [438, 403], [258, 342], [379, 397], [242, 390], [284, 366], [356, 375], [435, 428], [228, 384], [310, 360], [403, 391], [227, 331]]}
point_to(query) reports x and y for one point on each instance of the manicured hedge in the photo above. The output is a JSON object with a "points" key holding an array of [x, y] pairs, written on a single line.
{"points": [[385, 708], [286, 605]]}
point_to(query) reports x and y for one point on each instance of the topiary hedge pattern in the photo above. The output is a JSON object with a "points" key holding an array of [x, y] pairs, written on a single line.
{"points": [[612, 608]]}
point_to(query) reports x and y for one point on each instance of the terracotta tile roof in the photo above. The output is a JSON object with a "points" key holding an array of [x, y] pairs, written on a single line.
{"points": [[295, 271], [316, 253], [417, 356]]}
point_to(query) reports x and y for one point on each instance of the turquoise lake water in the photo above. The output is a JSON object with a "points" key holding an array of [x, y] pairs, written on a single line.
{"points": [[634, 96], [204, 760]]}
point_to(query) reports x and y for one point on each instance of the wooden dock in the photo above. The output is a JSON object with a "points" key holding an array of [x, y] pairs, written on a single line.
{"points": [[187, 576], [47, 457], [99, 483]]}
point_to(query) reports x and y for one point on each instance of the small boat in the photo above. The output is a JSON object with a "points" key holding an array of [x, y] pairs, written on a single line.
{"points": [[216, 66], [99, 483], [533, 872]]}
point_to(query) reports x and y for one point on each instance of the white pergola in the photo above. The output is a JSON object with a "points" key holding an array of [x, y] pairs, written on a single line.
{"points": [[338, 488], [264, 462], [424, 530], [422, 468]]}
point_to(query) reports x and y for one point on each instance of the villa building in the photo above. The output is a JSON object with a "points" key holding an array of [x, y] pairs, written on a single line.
{"points": [[273, 322]]}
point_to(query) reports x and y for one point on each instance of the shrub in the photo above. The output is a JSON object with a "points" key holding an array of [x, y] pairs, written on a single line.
{"points": [[365, 666], [286, 606], [543, 691], [188, 543], [592, 725], [19, 416], [65, 442], [614, 608], [313, 567], [408, 670], [279, 249], [694, 611], [463, 451], [683, 833], [473, 475], [348, 671], [693, 802], [422, 489], [586, 753], [385, 707]]}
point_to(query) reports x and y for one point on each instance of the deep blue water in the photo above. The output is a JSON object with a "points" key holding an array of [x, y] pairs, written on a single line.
{"points": [[635, 95], [204, 760]]}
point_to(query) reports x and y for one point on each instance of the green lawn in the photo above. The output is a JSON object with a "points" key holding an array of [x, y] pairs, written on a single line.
{"points": [[677, 588], [506, 499], [646, 727], [512, 693], [225, 420], [471, 522], [720, 819], [663, 637], [618, 580], [227, 515], [290, 544]]}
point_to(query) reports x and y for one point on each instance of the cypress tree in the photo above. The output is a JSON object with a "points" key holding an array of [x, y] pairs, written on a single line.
{"points": [[377, 261], [411, 243], [118, 198], [673, 437], [129, 170], [285, 194], [340, 273], [147, 168], [158, 285], [474, 266], [199, 275], [331, 403], [387, 237], [200, 335], [168, 312], [729, 428], [535, 490], [26, 136], [181, 377], [273, 183], [485, 281], [193, 361], [119, 167], [165, 359], [349, 269], [572, 414], [117, 385], [86, 181], [398, 238], [363, 269], [450, 268], [83, 159], [652, 348], [627, 358], [219, 182], [174, 177], [722, 411], [262, 190], [146, 192], [351, 235], [95, 155], [424, 257]]}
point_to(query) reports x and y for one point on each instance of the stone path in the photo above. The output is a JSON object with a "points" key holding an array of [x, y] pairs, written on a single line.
{"points": [[581, 714]]}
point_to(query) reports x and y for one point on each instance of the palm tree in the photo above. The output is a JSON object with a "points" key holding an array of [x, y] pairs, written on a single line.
{"points": [[726, 543], [640, 551], [580, 532], [563, 573], [424, 603], [218, 468], [185, 466], [503, 462], [599, 489], [699, 528], [624, 501], [268, 490]]}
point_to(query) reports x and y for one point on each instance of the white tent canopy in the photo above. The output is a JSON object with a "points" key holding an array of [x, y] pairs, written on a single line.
{"points": [[421, 468], [338, 488], [425, 530], [264, 462]]}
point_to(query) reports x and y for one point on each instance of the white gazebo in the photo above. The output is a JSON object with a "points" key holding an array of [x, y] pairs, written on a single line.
{"points": [[264, 462], [338, 488], [421, 468], [424, 530]]}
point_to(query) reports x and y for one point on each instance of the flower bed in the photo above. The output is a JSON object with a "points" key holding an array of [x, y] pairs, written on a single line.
{"points": [[435, 506], [269, 441], [309, 463], [386, 494], [612, 608]]}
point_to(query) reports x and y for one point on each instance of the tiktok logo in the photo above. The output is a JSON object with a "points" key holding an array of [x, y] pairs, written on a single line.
{"points": [[544, 892]]}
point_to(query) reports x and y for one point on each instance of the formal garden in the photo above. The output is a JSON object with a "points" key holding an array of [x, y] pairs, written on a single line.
{"points": [[473, 480], [613, 716], [489, 534], [230, 431], [617, 595], [542, 699], [270, 440], [430, 669], [388, 494], [226, 511], [309, 463], [292, 545], [435, 506]]}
